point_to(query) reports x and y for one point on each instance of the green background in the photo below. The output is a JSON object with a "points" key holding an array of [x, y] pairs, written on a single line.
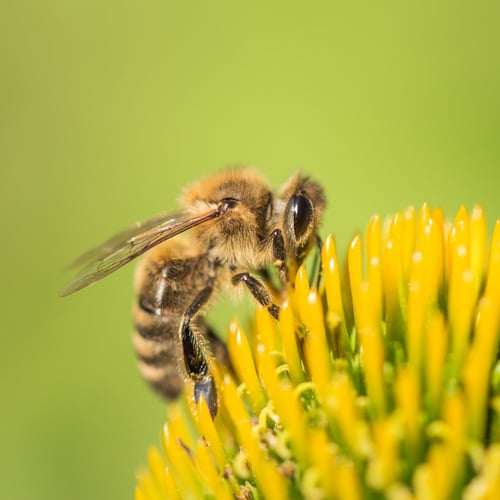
{"points": [[108, 108]]}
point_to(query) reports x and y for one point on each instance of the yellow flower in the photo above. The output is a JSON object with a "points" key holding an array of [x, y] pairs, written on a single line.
{"points": [[382, 384]]}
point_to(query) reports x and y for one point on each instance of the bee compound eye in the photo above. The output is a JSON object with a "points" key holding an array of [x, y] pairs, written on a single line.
{"points": [[302, 211]]}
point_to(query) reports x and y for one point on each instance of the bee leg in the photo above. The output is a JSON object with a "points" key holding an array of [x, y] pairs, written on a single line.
{"points": [[319, 242], [194, 354], [259, 291], [319, 271], [279, 254]]}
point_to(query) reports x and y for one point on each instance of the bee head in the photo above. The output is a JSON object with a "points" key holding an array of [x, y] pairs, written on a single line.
{"points": [[245, 203]]}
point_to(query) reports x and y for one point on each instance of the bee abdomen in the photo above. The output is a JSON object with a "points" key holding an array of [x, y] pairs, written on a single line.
{"points": [[156, 324], [156, 343], [153, 352]]}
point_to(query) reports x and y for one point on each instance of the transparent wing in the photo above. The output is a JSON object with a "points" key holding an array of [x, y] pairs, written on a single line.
{"points": [[118, 240], [114, 253]]}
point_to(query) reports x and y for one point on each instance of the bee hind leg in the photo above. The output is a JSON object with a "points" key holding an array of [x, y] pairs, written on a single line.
{"points": [[195, 357]]}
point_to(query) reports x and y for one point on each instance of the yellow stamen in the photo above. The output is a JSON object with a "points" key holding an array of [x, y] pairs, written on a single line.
{"points": [[347, 480], [478, 365], [458, 250], [355, 266], [343, 409], [492, 290], [395, 299], [408, 240], [242, 361], [265, 473], [371, 346], [218, 487], [462, 302], [290, 347], [302, 288], [315, 343], [435, 355], [209, 432], [382, 468], [184, 473], [266, 327], [417, 308], [157, 467], [408, 396], [487, 484], [331, 273], [374, 266], [478, 237], [323, 457], [285, 402], [430, 245]]}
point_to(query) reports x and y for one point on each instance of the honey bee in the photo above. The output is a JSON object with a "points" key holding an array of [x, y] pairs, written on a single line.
{"points": [[237, 229]]}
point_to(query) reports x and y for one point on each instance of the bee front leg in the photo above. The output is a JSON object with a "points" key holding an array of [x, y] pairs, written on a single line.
{"points": [[259, 291], [279, 255], [195, 356], [319, 244]]}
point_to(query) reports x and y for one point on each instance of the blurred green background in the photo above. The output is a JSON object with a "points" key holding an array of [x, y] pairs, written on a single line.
{"points": [[108, 108]]}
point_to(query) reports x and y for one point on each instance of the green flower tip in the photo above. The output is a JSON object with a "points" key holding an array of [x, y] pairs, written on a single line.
{"points": [[382, 384]]}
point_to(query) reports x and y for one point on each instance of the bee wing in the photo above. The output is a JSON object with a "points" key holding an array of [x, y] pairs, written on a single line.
{"points": [[114, 253], [118, 240]]}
